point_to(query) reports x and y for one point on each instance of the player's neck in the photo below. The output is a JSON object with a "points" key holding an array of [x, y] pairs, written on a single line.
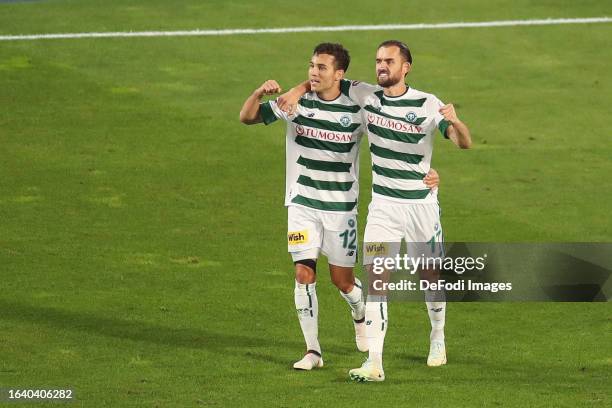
{"points": [[329, 94], [396, 90]]}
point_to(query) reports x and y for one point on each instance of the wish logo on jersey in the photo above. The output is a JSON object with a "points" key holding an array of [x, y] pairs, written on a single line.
{"points": [[297, 237]]}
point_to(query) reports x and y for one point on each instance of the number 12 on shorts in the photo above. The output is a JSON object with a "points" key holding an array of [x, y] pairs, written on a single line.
{"points": [[349, 235]]}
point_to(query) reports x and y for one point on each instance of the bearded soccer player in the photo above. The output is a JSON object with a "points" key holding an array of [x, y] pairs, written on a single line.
{"points": [[401, 123], [322, 172]]}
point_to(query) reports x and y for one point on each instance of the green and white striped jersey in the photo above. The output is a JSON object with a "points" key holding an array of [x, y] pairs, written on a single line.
{"points": [[401, 137], [322, 152]]}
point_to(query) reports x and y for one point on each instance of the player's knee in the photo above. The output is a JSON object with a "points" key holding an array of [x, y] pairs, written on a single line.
{"points": [[343, 284], [305, 270]]}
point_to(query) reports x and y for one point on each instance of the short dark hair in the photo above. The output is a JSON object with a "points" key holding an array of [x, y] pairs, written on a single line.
{"points": [[404, 50], [340, 54]]}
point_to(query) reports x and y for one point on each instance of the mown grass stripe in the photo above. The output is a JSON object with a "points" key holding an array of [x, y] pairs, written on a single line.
{"points": [[324, 205], [325, 185], [395, 135], [397, 193], [323, 145], [329, 107], [398, 174], [322, 165], [284, 30], [392, 154]]}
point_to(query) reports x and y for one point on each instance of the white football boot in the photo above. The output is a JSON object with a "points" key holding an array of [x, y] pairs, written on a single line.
{"points": [[437, 354], [311, 360], [367, 372]]}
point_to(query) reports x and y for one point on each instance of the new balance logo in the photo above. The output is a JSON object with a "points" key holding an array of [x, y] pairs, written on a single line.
{"points": [[438, 310], [368, 322]]}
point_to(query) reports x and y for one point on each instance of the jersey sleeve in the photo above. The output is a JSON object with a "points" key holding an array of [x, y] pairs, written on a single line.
{"points": [[357, 91], [270, 112], [441, 123]]}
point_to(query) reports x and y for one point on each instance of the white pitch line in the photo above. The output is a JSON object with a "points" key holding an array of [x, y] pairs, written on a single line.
{"points": [[244, 31]]}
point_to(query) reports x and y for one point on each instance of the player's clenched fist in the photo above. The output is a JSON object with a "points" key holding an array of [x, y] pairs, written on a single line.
{"points": [[270, 87], [448, 111]]}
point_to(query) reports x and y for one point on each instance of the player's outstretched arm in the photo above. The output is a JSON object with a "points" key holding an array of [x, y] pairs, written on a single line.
{"points": [[458, 132], [250, 112], [288, 101]]}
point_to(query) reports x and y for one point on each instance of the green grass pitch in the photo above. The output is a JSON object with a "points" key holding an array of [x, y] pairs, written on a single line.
{"points": [[142, 229]]}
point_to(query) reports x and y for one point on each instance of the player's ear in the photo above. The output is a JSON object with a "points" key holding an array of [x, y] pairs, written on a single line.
{"points": [[407, 67], [339, 74]]}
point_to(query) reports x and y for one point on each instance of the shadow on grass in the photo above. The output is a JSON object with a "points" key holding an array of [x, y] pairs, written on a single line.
{"points": [[412, 357], [270, 358], [195, 338]]}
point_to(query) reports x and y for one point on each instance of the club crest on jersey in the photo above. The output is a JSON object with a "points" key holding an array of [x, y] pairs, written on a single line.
{"points": [[345, 120], [299, 129], [411, 117]]}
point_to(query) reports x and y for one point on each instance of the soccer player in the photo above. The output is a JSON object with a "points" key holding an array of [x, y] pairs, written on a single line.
{"points": [[401, 122], [322, 172], [322, 186]]}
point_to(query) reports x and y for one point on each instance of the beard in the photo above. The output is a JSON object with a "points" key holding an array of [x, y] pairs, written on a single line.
{"points": [[389, 81]]}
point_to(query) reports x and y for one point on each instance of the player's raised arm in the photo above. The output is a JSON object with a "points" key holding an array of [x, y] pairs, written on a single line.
{"points": [[288, 101], [457, 131], [251, 109], [356, 90]]}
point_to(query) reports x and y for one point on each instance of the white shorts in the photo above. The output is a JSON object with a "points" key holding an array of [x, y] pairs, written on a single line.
{"points": [[310, 232], [417, 224]]}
